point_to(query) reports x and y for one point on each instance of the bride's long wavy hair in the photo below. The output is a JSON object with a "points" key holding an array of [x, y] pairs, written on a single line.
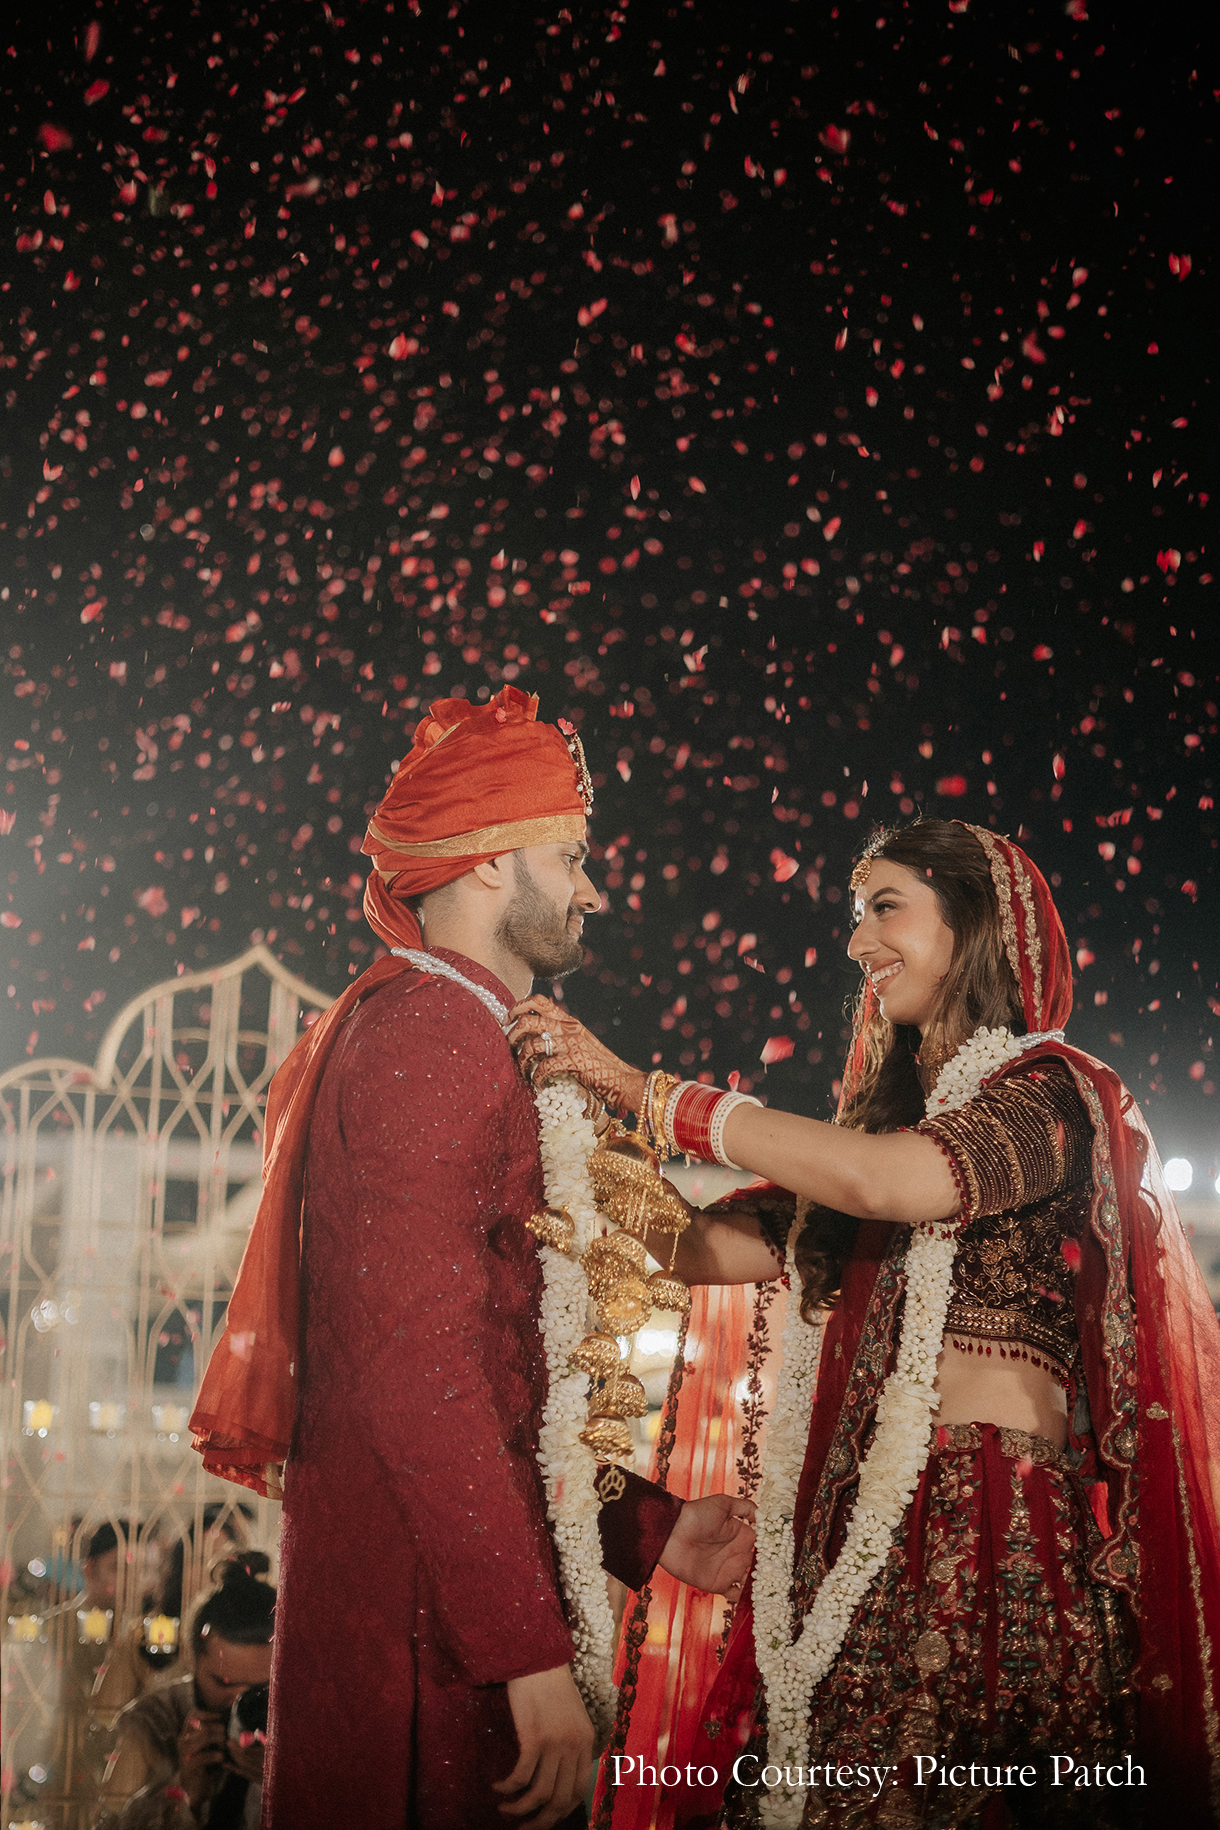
{"points": [[895, 1066]]}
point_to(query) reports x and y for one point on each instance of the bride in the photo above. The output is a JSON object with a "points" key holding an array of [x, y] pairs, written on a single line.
{"points": [[988, 1522]]}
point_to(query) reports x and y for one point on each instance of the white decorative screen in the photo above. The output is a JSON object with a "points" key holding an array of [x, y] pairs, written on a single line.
{"points": [[127, 1195]]}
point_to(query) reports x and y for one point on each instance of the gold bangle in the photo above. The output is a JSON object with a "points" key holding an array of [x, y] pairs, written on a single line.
{"points": [[645, 1124], [669, 1102], [660, 1086]]}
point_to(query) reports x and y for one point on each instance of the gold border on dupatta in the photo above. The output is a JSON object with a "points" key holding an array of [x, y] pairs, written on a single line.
{"points": [[1002, 880], [1210, 1716], [1117, 1560], [1032, 938]]}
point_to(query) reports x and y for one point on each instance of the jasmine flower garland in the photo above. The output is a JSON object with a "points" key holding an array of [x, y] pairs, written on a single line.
{"points": [[889, 1473], [567, 1139]]}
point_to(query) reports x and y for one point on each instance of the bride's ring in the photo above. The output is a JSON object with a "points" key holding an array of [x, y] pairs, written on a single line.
{"points": [[548, 1042]]}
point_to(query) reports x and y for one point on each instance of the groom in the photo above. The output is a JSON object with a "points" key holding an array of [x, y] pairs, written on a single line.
{"points": [[422, 1653]]}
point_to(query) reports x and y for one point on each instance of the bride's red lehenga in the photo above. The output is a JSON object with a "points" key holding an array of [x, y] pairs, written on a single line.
{"points": [[1035, 1602]]}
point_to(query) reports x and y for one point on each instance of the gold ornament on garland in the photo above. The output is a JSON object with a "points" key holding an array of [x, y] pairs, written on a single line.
{"points": [[608, 1437], [552, 1227], [623, 1396], [627, 1309], [612, 1261], [597, 1355], [628, 1185], [625, 1174], [669, 1293]]}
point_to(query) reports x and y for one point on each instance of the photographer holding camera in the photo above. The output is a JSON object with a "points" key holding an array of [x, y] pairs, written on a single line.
{"points": [[191, 1751]]}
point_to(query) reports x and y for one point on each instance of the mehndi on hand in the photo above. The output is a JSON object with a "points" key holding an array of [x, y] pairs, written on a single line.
{"points": [[548, 1041]]}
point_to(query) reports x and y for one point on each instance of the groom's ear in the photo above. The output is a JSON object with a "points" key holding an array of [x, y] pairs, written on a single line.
{"points": [[495, 873]]}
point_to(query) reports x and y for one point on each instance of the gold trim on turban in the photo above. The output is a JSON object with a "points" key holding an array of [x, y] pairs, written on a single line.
{"points": [[511, 835]]}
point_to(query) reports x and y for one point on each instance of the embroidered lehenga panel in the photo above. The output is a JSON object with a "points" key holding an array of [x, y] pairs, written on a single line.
{"points": [[986, 1640], [982, 1643]]}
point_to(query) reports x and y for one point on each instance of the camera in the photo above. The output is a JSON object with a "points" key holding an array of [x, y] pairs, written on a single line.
{"points": [[248, 1717]]}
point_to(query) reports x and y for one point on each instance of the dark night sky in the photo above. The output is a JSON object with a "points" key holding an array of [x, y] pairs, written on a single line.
{"points": [[812, 403]]}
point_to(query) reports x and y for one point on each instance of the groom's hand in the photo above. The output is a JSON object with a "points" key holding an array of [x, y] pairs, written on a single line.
{"points": [[555, 1737], [712, 1545], [548, 1041]]}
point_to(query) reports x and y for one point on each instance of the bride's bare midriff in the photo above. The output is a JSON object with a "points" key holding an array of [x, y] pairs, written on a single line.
{"points": [[977, 1389]]}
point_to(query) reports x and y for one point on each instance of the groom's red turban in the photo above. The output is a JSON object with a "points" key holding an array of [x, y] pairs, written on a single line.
{"points": [[479, 781]]}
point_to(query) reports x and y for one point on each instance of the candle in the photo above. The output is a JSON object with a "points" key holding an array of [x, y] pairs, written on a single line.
{"points": [[160, 1633], [169, 1418], [39, 1415], [24, 1628], [93, 1625], [105, 1415]]}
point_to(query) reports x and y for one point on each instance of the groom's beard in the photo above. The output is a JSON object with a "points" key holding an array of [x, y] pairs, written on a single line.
{"points": [[536, 932]]}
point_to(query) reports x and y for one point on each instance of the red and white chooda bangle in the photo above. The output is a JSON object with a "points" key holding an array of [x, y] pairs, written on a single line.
{"points": [[694, 1121]]}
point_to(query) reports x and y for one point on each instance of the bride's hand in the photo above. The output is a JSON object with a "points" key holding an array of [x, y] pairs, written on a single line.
{"points": [[548, 1041]]}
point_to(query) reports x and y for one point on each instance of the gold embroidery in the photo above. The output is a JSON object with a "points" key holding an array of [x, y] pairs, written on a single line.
{"points": [[1033, 942], [610, 1485], [1210, 1718], [1027, 1193], [1021, 1446], [509, 835], [985, 1642], [1003, 889], [932, 1653], [1117, 1560], [1158, 1411]]}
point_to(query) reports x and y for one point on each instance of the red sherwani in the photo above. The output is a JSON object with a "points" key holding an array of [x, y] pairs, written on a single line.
{"points": [[417, 1572]]}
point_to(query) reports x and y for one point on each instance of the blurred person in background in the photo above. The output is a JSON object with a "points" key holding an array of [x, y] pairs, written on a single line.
{"points": [[225, 1534], [177, 1745], [100, 1568], [129, 1669], [89, 1648]]}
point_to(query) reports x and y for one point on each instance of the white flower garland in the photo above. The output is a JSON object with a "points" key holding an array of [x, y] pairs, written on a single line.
{"points": [[974, 1063], [567, 1138], [889, 1473]]}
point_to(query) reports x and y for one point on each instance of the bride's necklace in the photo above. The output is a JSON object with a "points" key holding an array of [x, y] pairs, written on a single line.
{"points": [[978, 1058]]}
